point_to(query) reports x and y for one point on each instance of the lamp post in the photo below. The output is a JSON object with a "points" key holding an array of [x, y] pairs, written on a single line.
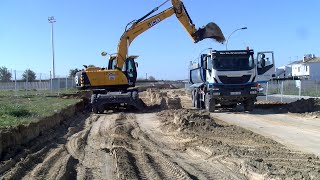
{"points": [[202, 52], [52, 20], [243, 28]]}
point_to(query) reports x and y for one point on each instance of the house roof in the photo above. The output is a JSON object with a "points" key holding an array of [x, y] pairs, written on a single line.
{"points": [[295, 62], [312, 60]]}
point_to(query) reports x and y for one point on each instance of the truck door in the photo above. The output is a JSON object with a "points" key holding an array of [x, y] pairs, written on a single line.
{"points": [[265, 66]]}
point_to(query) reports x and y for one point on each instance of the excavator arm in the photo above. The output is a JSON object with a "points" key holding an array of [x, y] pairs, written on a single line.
{"points": [[143, 24]]}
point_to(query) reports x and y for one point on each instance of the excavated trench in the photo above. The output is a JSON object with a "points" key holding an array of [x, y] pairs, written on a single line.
{"points": [[167, 142]]}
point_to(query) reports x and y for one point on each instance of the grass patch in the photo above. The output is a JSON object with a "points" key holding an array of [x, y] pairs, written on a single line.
{"points": [[35, 92], [15, 110]]}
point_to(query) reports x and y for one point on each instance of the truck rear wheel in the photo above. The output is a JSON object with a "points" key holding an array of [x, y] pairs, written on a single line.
{"points": [[192, 98], [249, 105], [101, 109], [197, 102], [95, 109], [210, 104]]}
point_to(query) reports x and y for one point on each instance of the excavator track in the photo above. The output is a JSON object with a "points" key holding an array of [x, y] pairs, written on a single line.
{"points": [[128, 99]]}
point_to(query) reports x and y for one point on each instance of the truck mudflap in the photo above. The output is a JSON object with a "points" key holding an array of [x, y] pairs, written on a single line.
{"points": [[116, 100]]}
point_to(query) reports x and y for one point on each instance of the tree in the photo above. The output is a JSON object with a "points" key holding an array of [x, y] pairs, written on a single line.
{"points": [[151, 78], [29, 75], [72, 72], [5, 75]]}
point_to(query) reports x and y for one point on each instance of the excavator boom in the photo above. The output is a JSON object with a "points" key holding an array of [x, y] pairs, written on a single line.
{"points": [[211, 30]]}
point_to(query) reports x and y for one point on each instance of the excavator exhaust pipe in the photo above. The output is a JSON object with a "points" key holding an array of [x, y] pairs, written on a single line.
{"points": [[212, 31]]}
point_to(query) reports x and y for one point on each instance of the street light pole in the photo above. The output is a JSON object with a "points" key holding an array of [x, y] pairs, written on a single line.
{"points": [[202, 52], [52, 20], [243, 28]]}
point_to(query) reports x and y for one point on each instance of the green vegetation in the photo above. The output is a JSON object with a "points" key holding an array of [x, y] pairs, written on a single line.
{"points": [[29, 75], [36, 92], [5, 75], [15, 110]]}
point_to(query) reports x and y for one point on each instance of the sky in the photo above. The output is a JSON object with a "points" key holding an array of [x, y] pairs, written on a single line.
{"points": [[84, 29]]}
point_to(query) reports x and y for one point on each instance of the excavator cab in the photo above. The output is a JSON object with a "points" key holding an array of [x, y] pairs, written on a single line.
{"points": [[129, 68]]}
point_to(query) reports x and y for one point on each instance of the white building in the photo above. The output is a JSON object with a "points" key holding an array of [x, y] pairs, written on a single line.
{"points": [[284, 72], [308, 68]]}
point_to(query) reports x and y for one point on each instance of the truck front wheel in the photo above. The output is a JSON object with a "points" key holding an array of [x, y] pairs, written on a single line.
{"points": [[249, 105], [210, 104], [197, 102]]}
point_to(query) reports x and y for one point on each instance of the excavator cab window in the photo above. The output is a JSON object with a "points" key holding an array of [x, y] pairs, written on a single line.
{"points": [[130, 71], [112, 64]]}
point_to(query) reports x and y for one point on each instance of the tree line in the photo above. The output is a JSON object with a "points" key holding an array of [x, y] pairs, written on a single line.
{"points": [[28, 74], [6, 75]]}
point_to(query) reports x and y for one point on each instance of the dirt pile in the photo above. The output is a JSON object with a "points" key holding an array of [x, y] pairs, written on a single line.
{"points": [[179, 92], [270, 105], [304, 105], [170, 103], [155, 96], [191, 119]]}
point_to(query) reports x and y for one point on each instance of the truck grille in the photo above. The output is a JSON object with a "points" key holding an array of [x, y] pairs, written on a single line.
{"points": [[234, 80]]}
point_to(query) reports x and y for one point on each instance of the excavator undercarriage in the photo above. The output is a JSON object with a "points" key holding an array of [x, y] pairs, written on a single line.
{"points": [[102, 100]]}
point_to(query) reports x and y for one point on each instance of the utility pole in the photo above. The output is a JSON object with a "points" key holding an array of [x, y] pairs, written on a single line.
{"points": [[52, 20]]}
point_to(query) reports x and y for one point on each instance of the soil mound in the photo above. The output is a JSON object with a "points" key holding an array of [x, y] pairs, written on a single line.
{"points": [[304, 105], [170, 103], [191, 119], [161, 98]]}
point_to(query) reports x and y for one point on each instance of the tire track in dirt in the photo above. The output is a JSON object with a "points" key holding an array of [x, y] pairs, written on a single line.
{"points": [[148, 146], [45, 157], [195, 166], [138, 158]]}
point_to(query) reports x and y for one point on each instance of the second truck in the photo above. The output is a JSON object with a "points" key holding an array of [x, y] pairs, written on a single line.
{"points": [[228, 78]]}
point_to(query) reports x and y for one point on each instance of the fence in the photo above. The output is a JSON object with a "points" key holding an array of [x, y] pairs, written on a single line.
{"points": [[53, 84], [286, 90], [45, 87], [290, 90]]}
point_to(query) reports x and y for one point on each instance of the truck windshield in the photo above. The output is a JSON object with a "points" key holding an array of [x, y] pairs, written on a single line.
{"points": [[241, 63]]}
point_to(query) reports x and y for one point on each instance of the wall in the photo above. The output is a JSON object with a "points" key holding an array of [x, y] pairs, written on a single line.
{"points": [[315, 71], [303, 71]]}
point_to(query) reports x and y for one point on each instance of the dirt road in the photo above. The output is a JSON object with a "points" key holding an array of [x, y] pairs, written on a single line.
{"points": [[170, 144], [300, 133]]}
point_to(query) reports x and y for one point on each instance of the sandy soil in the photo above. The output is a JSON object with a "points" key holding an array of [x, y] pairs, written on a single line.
{"points": [[300, 133], [167, 144]]}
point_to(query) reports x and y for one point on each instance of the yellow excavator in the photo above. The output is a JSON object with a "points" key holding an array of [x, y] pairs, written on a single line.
{"points": [[113, 87]]}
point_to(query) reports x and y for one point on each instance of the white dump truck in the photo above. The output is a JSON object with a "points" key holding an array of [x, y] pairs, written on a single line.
{"points": [[228, 78]]}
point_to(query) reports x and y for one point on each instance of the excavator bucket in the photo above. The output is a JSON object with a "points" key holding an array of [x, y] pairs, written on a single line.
{"points": [[211, 30]]}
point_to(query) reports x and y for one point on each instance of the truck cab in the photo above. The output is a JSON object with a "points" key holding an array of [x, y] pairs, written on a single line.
{"points": [[226, 78]]}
